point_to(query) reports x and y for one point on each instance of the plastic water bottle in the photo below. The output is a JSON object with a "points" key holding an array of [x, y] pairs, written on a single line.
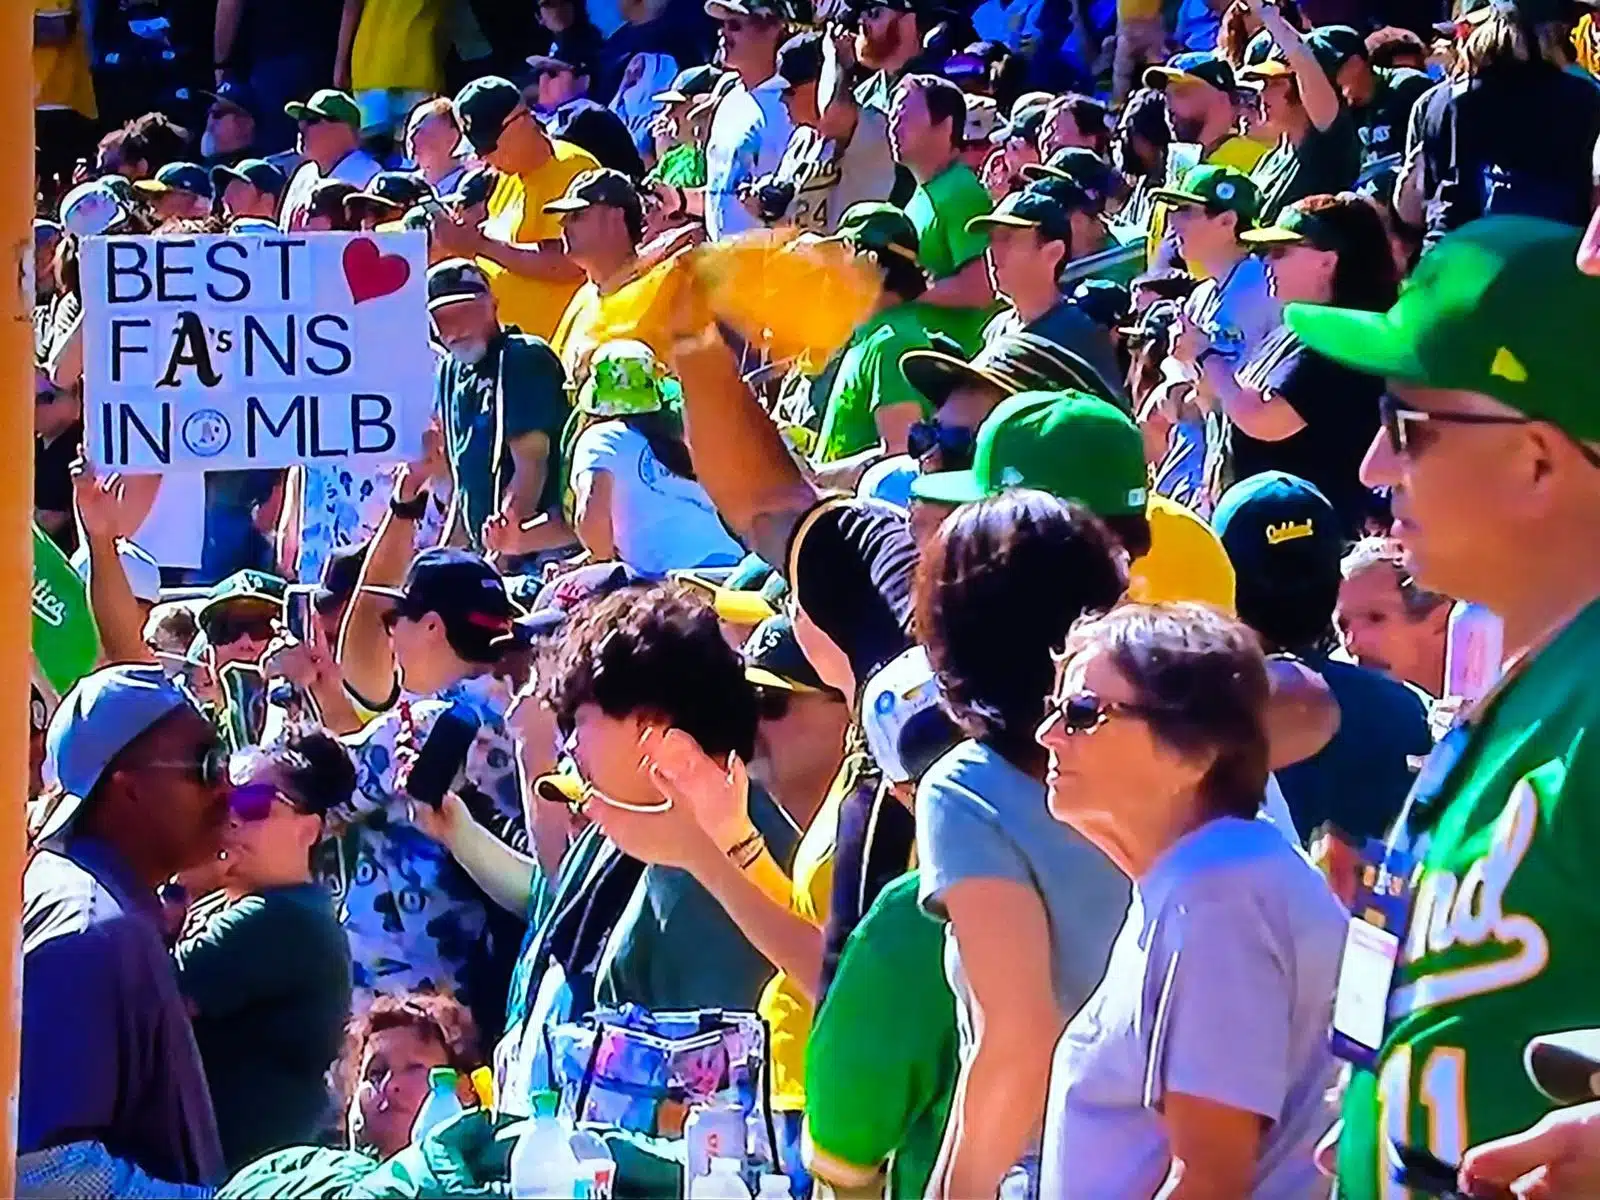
{"points": [[440, 1105], [1474, 651], [543, 1164], [713, 1131], [774, 1187], [722, 1182]]}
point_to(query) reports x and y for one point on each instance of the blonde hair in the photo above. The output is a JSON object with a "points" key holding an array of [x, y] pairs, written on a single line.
{"points": [[1500, 39]]}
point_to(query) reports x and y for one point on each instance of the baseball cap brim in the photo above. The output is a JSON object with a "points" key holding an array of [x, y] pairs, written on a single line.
{"points": [[1366, 341], [1272, 235], [1273, 68], [1160, 77], [1173, 196], [948, 487], [1009, 220], [224, 175], [561, 787], [568, 204], [393, 593], [670, 96], [445, 301], [153, 186], [762, 677], [368, 200], [936, 374]]}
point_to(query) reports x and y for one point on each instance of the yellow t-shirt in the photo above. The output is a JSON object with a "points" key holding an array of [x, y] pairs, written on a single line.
{"points": [[61, 76], [516, 214], [1240, 153], [573, 339], [399, 44], [1186, 560], [1584, 43], [786, 1007]]}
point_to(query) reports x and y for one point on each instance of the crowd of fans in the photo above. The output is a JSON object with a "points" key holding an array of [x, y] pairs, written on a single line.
{"points": [[1022, 701]]}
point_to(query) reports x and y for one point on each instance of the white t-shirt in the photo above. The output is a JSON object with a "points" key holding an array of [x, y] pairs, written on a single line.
{"points": [[827, 180], [660, 522], [749, 134], [356, 168]]}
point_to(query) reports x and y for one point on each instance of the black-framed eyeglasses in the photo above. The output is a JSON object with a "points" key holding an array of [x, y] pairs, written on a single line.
{"points": [[1401, 424], [955, 443], [1083, 712]]}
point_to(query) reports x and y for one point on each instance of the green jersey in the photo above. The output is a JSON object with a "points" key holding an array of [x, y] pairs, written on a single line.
{"points": [[869, 378], [1506, 919], [940, 210]]}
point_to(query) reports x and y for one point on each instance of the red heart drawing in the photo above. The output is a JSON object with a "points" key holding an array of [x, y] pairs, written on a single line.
{"points": [[371, 273]]}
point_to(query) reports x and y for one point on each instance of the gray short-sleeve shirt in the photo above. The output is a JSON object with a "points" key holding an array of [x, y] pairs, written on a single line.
{"points": [[1220, 986], [979, 817]]}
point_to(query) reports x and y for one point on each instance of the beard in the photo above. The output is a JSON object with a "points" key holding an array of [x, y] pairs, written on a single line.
{"points": [[876, 51]]}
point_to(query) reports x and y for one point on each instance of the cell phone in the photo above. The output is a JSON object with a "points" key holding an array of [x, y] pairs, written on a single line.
{"points": [[244, 695], [1416, 1168], [297, 612], [441, 757], [1565, 1066]]}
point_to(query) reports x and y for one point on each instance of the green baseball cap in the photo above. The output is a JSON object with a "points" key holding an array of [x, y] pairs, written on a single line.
{"points": [[1217, 189], [1029, 209], [1069, 444], [1335, 45], [1498, 307], [624, 379], [482, 108], [254, 587], [329, 104], [1297, 226], [872, 225]]}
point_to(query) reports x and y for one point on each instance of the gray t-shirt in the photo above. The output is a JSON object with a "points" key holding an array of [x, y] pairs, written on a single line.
{"points": [[1220, 986], [979, 817]]}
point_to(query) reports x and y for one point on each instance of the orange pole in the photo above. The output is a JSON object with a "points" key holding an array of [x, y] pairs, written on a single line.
{"points": [[16, 537]]}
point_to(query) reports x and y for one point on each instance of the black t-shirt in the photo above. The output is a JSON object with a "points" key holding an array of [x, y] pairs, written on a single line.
{"points": [[1340, 409], [1382, 122], [1519, 139], [52, 475], [1325, 162]]}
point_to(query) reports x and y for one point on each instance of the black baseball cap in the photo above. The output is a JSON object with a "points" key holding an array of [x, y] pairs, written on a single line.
{"points": [[598, 186], [178, 177], [391, 192], [482, 108], [1027, 118], [468, 595], [1280, 532], [1194, 67], [773, 658], [1335, 45], [454, 281], [475, 187], [257, 172], [800, 60], [234, 93], [1012, 363], [688, 84], [559, 60], [1031, 208], [328, 197], [340, 574], [1079, 165]]}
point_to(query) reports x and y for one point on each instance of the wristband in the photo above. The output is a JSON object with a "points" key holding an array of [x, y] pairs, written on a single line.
{"points": [[410, 510], [745, 852]]}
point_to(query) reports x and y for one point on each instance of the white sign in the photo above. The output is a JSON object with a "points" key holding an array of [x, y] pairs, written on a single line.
{"points": [[216, 353]]}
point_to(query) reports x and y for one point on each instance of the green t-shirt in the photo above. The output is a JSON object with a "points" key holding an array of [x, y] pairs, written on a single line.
{"points": [[675, 947], [1325, 162], [882, 1059], [1502, 935], [522, 378], [940, 210], [868, 378], [268, 979], [682, 166]]}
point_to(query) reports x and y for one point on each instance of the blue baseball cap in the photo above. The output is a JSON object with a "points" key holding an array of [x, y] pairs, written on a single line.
{"points": [[1279, 531], [97, 720], [179, 177], [234, 93]]}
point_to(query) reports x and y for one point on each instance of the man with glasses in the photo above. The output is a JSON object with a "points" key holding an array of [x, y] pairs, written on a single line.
{"points": [[1490, 447], [519, 246], [750, 128], [136, 795], [559, 95], [330, 141]]}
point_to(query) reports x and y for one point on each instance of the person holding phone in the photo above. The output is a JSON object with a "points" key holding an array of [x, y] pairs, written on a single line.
{"points": [[1157, 740]]}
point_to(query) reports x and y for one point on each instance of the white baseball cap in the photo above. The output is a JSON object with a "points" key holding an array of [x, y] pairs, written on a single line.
{"points": [[91, 209], [906, 729]]}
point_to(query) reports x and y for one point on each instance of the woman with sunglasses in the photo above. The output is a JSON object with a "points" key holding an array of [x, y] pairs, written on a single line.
{"points": [[1200, 1065], [1030, 907], [263, 962]]}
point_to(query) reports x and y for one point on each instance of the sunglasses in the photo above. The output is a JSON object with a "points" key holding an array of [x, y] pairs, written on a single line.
{"points": [[955, 443], [209, 766], [1084, 712], [252, 802], [1406, 428], [772, 704]]}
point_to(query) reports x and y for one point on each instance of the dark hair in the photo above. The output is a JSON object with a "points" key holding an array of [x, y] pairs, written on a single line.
{"points": [[664, 431], [1364, 276], [191, 226], [67, 256], [902, 276], [328, 198], [945, 101], [1168, 283], [996, 592], [441, 1018], [1293, 615], [656, 651], [1092, 118], [1132, 531], [153, 139], [1386, 46], [1203, 680], [317, 768]]}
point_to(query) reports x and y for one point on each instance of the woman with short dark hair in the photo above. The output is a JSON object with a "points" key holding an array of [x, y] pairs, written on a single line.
{"points": [[1158, 756], [1031, 907]]}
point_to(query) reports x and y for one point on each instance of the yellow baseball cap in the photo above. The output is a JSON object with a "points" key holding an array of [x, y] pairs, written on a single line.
{"points": [[1186, 560]]}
